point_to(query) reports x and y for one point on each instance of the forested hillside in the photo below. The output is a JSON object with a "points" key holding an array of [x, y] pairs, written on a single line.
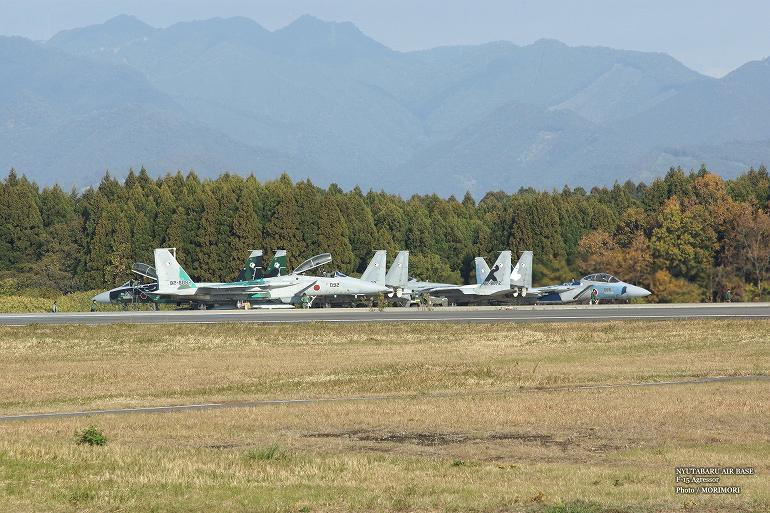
{"points": [[685, 237]]}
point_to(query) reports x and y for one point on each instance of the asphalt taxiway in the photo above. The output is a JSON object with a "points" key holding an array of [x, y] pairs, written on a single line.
{"points": [[539, 313]]}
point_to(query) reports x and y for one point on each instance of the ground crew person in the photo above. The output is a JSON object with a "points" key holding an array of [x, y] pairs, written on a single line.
{"points": [[594, 297], [305, 301], [55, 307], [93, 305], [728, 296]]}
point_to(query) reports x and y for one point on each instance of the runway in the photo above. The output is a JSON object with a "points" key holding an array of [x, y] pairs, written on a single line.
{"points": [[367, 398], [571, 313]]}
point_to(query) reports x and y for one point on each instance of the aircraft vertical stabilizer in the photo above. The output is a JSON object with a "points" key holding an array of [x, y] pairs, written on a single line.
{"points": [[252, 268], [398, 274], [375, 271], [482, 270], [278, 265], [500, 273], [171, 276], [521, 275]]}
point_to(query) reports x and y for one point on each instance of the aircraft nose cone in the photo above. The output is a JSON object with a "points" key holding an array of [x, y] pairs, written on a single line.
{"points": [[103, 298], [634, 291]]}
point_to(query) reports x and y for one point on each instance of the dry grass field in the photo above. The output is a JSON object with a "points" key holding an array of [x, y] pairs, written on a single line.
{"points": [[474, 417]]}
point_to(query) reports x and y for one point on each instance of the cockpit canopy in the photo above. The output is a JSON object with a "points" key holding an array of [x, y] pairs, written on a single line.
{"points": [[144, 270], [313, 262], [602, 278]]}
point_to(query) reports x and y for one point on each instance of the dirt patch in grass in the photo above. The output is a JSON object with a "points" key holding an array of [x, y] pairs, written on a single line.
{"points": [[583, 440]]}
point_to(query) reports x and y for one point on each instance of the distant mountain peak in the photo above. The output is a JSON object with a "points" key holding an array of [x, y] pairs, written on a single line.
{"points": [[312, 37], [549, 43], [110, 35], [126, 20], [308, 19], [310, 26]]}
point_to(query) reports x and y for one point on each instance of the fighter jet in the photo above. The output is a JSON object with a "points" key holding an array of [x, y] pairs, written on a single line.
{"points": [[495, 287], [607, 287], [136, 291], [173, 281], [521, 273], [290, 289], [374, 273]]}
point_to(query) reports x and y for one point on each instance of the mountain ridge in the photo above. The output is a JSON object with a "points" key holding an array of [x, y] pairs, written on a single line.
{"points": [[324, 100]]}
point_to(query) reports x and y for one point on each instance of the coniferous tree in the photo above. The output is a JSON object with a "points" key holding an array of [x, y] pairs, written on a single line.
{"points": [[164, 213], [175, 236], [283, 230], [118, 268], [246, 233], [362, 233], [22, 234], [208, 241], [99, 249], [332, 235], [142, 247]]}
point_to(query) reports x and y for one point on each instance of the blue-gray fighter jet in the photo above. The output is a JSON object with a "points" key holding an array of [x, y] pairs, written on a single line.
{"points": [[600, 286]]}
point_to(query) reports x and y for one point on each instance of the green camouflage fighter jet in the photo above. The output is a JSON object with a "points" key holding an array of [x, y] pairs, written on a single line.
{"points": [[176, 286], [134, 292]]}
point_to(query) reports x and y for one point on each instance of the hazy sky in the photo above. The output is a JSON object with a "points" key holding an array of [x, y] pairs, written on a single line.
{"points": [[711, 36]]}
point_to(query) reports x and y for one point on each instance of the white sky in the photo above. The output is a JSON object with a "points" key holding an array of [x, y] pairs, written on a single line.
{"points": [[710, 36]]}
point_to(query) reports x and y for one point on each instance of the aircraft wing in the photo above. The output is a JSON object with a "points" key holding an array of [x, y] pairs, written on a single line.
{"points": [[280, 284], [473, 294], [222, 290], [550, 289], [275, 283]]}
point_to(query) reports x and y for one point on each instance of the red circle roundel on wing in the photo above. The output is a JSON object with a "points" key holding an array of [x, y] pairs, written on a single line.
{"points": [[316, 287]]}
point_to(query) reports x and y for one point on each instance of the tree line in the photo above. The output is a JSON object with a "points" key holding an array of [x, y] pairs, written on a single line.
{"points": [[686, 236]]}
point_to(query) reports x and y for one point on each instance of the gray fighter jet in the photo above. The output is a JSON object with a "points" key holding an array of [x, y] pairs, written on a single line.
{"points": [[495, 287], [374, 273], [521, 273]]}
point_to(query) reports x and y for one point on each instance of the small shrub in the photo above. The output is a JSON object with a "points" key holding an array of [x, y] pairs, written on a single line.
{"points": [[90, 436], [270, 452], [458, 463]]}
